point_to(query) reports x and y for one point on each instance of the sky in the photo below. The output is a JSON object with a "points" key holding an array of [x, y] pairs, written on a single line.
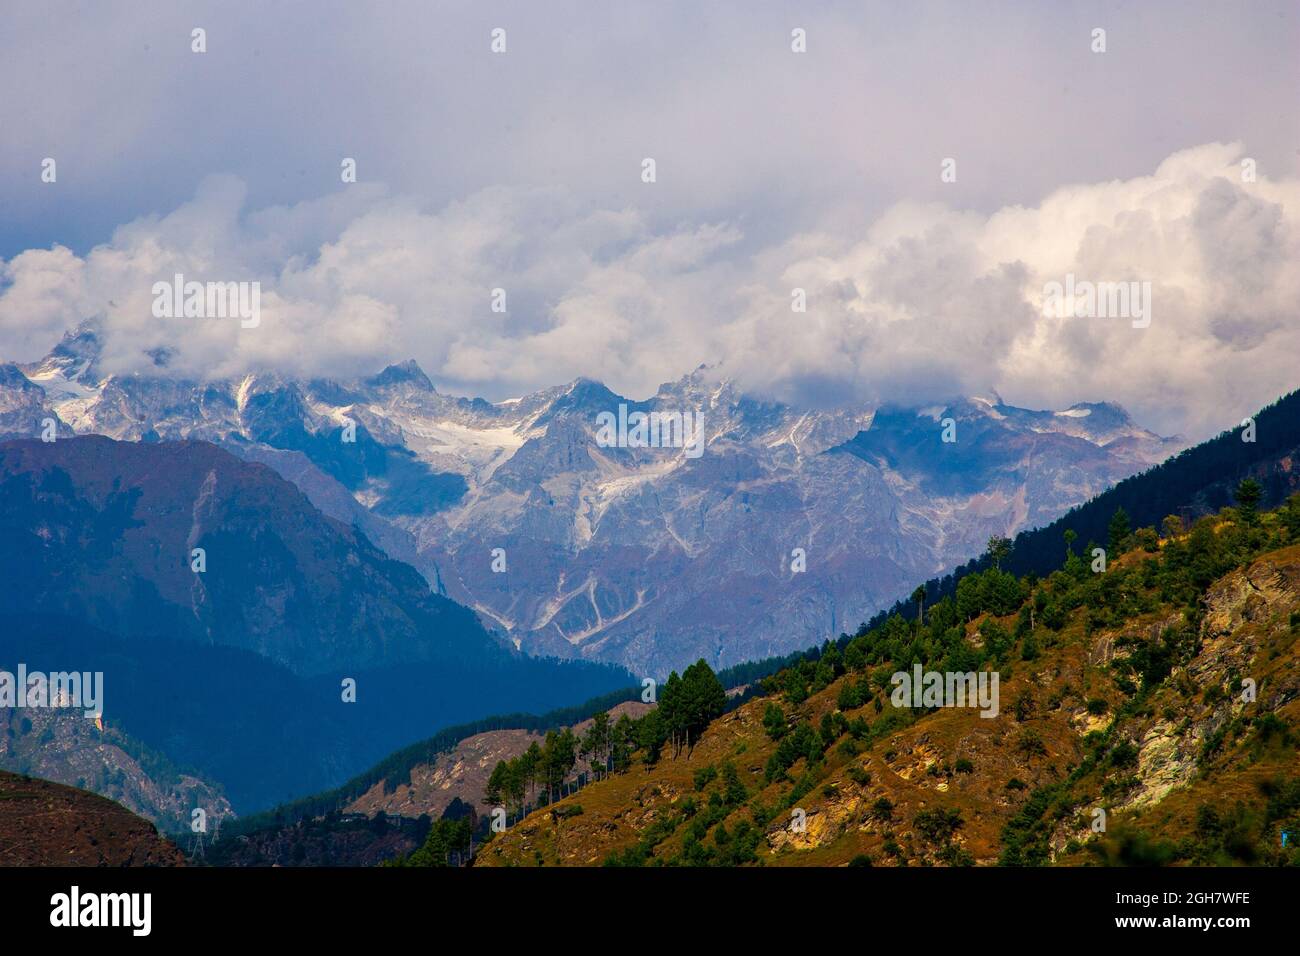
{"points": [[775, 170]]}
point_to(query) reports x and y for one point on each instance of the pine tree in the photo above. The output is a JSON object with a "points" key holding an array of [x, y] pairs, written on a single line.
{"points": [[999, 549], [621, 739], [595, 744], [530, 765], [774, 721], [1117, 533], [496, 783], [703, 699], [1247, 495], [559, 753]]}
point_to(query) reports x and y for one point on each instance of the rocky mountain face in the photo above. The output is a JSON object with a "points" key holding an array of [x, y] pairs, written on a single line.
{"points": [[461, 773], [76, 752], [24, 407], [790, 523]]}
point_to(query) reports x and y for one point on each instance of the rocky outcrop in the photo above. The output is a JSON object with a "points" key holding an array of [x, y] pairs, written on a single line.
{"points": [[67, 748], [1242, 610]]}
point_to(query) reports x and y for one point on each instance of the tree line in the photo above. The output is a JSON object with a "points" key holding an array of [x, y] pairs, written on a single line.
{"points": [[686, 705]]}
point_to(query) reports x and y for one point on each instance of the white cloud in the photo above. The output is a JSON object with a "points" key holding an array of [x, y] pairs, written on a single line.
{"points": [[926, 302], [935, 301]]}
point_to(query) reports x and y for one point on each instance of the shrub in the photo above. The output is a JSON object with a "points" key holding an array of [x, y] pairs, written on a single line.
{"points": [[705, 776], [1124, 755], [734, 792], [937, 824], [1031, 744], [1024, 705], [774, 721]]}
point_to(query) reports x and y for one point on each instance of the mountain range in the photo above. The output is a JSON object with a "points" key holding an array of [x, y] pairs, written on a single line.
{"points": [[793, 522], [212, 697], [1195, 485]]}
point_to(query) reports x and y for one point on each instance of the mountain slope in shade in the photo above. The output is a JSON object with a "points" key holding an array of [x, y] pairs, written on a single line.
{"points": [[83, 516], [237, 672], [646, 557], [49, 824], [332, 840]]}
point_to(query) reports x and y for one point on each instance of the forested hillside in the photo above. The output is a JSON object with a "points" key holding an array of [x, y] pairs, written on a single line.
{"points": [[1148, 714]]}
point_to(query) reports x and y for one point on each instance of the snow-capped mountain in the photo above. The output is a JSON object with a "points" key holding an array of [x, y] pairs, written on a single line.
{"points": [[790, 526]]}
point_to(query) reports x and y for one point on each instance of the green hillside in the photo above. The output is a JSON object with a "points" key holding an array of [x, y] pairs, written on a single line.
{"points": [[1125, 691]]}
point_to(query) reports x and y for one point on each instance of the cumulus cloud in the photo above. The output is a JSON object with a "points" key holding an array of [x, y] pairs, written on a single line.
{"points": [[945, 302], [925, 302]]}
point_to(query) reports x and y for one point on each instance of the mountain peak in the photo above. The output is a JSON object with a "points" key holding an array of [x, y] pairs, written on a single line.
{"points": [[1109, 410], [583, 391], [73, 358], [405, 373]]}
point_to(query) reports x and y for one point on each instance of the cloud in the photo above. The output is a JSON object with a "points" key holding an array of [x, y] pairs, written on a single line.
{"points": [[744, 130], [926, 302], [944, 302]]}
